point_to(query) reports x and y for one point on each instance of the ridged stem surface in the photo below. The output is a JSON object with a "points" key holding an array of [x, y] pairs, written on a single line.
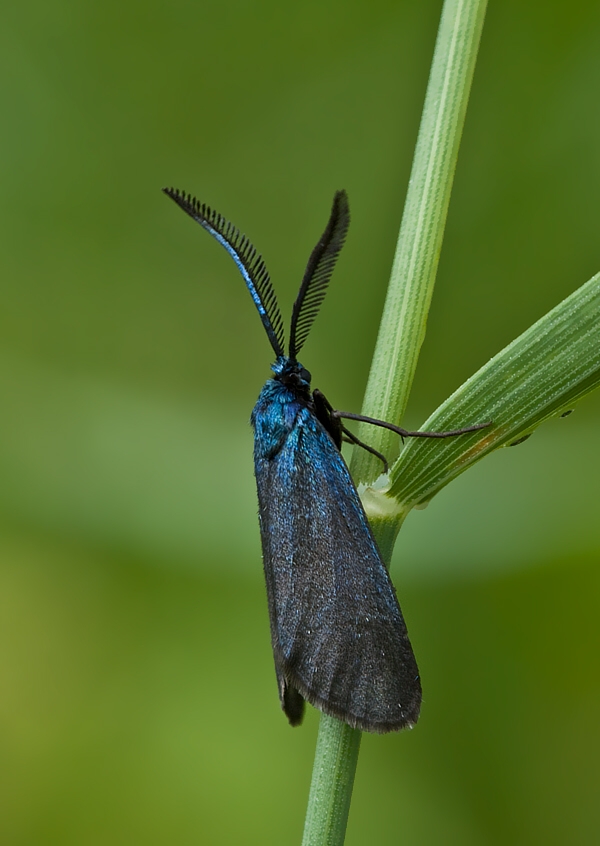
{"points": [[404, 320]]}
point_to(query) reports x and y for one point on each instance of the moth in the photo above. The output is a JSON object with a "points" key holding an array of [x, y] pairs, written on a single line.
{"points": [[339, 638]]}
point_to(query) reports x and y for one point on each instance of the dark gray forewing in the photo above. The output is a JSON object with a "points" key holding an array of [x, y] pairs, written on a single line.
{"points": [[338, 633]]}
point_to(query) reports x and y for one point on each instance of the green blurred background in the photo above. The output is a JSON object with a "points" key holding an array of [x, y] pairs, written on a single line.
{"points": [[138, 700]]}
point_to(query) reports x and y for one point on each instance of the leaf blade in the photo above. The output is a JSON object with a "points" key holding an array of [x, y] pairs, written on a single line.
{"points": [[541, 373]]}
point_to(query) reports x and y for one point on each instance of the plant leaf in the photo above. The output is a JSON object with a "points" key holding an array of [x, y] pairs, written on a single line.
{"points": [[541, 374]]}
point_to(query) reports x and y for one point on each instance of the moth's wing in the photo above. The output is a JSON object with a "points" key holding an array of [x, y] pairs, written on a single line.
{"points": [[338, 634]]}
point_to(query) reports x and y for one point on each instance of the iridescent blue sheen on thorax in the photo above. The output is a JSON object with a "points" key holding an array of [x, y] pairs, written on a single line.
{"points": [[276, 411]]}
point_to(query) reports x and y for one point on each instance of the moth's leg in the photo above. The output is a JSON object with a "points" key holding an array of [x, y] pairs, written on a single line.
{"points": [[323, 406], [404, 433], [521, 440], [319, 397], [323, 409], [351, 438]]}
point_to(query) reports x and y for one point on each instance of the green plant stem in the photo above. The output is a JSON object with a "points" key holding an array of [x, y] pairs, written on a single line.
{"points": [[410, 289], [336, 756], [400, 337]]}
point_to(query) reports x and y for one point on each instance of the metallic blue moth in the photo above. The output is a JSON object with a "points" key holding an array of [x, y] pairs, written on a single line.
{"points": [[338, 634]]}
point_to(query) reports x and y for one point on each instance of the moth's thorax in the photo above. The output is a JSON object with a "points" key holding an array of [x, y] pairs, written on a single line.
{"points": [[280, 402]]}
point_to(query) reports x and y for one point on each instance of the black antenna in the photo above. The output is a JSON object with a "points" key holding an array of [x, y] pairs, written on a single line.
{"points": [[318, 273], [249, 262]]}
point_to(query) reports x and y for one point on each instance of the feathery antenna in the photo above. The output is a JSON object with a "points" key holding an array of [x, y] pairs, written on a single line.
{"points": [[318, 273], [249, 263]]}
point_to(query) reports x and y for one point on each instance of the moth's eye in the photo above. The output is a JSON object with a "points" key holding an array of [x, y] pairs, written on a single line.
{"points": [[305, 375]]}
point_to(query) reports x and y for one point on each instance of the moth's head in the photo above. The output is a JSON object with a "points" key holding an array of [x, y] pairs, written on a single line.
{"points": [[292, 374]]}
